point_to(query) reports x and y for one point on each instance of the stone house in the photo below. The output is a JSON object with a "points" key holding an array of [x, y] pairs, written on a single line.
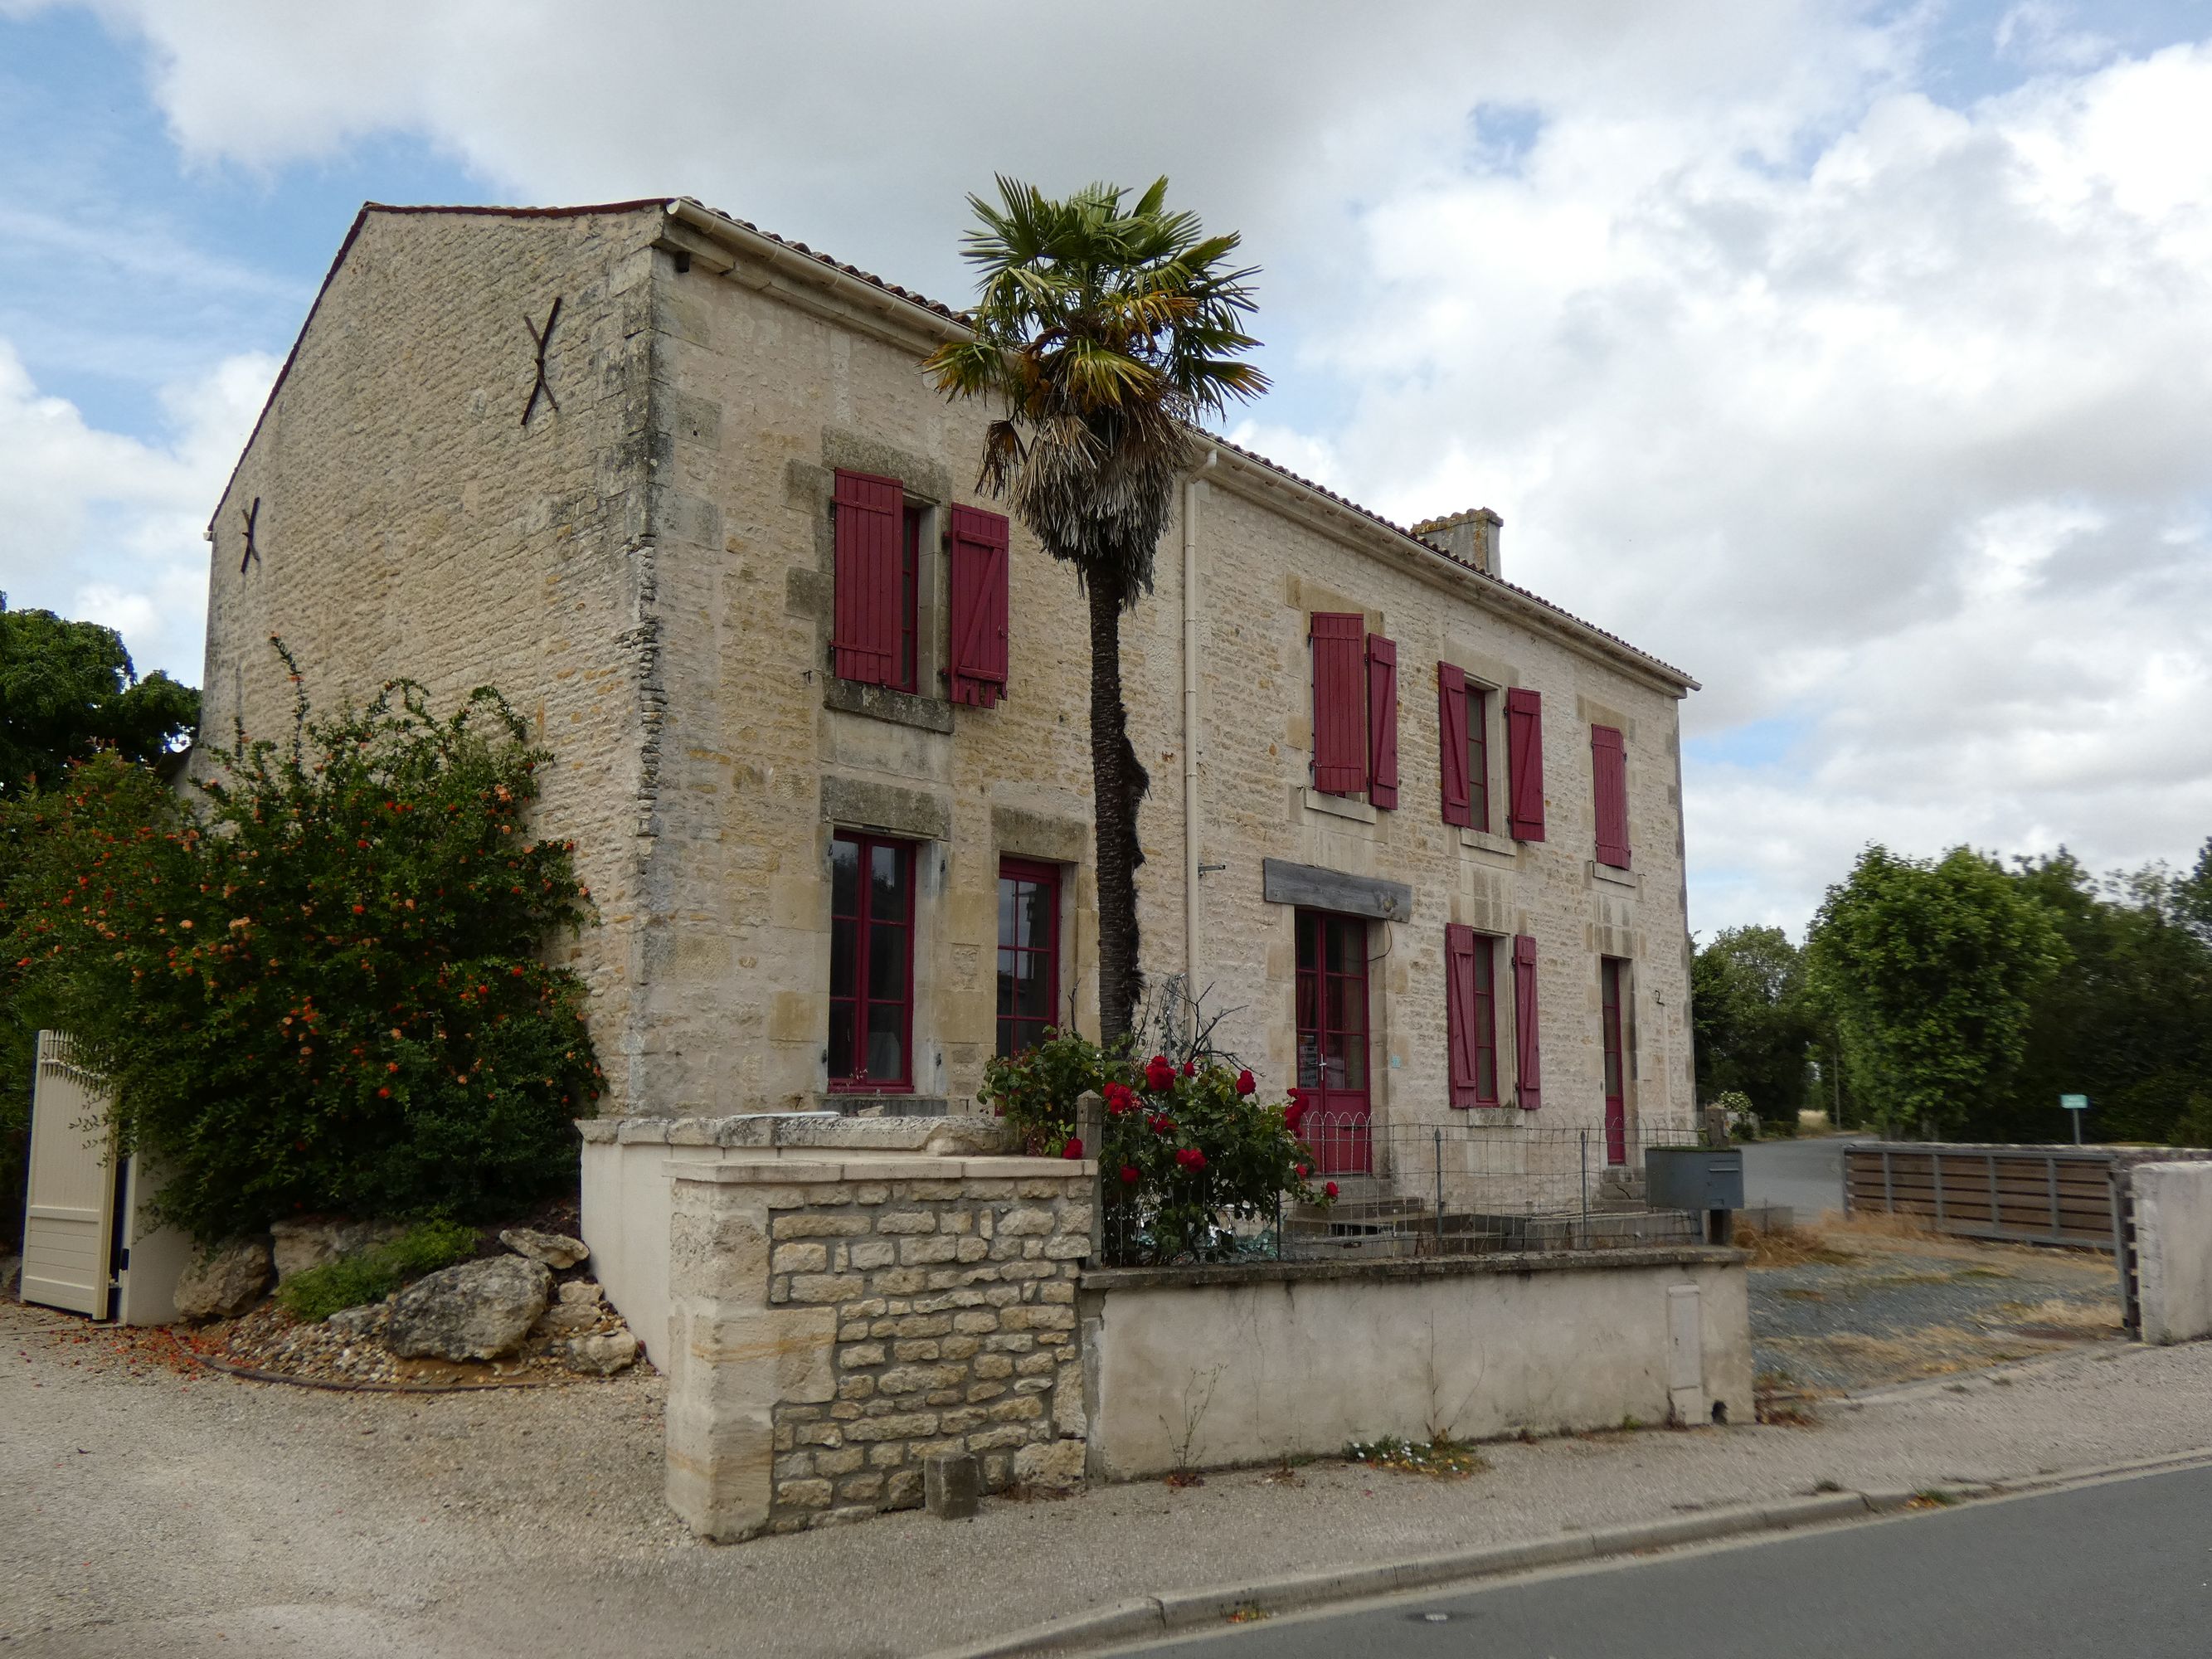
{"points": [[678, 488]]}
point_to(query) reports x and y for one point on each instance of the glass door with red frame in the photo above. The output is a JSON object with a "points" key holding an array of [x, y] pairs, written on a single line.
{"points": [[1332, 998], [871, 964], [1613, 974]]}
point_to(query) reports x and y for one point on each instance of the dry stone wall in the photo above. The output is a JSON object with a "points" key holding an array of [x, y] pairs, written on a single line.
{"points": [[836, 1323]]}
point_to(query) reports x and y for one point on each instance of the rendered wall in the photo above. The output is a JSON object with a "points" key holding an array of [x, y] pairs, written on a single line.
{"points": [[1247, 1364], [2173, 1250]]}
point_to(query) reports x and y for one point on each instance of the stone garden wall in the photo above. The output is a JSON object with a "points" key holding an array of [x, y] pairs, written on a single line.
{"points": [[838, 1315]]}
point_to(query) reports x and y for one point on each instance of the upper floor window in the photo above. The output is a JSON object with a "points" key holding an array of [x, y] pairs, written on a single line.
{"points": [[1355, 709], [882, 578], [1609, 789], [1463, 747]]}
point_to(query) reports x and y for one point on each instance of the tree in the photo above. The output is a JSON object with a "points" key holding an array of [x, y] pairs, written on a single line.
{"points": [[2129, 1023], [1929, 967], [68, 690], [1752, 1019], [1104, 331], [325, 992]]}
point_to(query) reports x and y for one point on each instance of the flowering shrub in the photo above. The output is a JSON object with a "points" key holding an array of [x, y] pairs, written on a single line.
{"points": [[1188, 1148], [327, 991]]}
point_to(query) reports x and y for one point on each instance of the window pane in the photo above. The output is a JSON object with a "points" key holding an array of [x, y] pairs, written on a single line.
{"points": [[887, 949], [1032, 986], [1309, 1018], [1485, 965], [1347, 1009], [844, 877], [841, 1039], [1309, 1060], [1486, 1074], [1006, 959], [887, 883], [1612, 1068], [1035, 914], [1309, 944], [886, 1041], [1342, 952], [1009, 903], [1344, 1058], [842, 956]]}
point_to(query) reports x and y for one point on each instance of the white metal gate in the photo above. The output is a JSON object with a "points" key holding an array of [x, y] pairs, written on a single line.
{"points": [[69, 1224]]}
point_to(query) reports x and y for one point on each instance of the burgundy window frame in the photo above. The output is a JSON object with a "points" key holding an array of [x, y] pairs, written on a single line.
{"points": [[1478, 755], [1345, 1143], [866, 939], [1047, 876], [1613, 995]]}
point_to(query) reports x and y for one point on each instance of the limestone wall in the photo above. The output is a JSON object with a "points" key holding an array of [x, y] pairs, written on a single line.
{"points": [[839, 1316], [410, 524]]}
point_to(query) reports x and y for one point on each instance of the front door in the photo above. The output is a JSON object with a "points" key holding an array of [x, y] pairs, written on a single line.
{"points": [[1611, 975], [1333, 1041]]}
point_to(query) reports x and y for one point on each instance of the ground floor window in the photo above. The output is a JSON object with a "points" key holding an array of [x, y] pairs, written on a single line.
{"points": [[871, 963], [1029, 952], [1613, 980], [1332, 1020]]}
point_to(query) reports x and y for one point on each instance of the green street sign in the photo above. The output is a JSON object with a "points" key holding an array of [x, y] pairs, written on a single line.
{"points": [[2074, 1102]]}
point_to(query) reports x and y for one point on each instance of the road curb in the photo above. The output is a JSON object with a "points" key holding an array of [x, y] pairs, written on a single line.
{"points": [[1178, 1611]]}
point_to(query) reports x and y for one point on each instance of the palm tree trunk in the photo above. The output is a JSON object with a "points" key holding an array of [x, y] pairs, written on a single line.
{"points": [[1118, 784]]}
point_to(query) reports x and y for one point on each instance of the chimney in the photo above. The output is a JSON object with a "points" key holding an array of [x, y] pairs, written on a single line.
{"points": [[1468, 538]]}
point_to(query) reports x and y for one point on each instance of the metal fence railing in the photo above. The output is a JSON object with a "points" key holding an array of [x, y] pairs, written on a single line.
{"points": [[1467, 1187]]}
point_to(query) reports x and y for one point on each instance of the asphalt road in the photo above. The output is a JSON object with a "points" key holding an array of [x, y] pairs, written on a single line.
{"points": [[2121, 1567], [1806, 1174]]}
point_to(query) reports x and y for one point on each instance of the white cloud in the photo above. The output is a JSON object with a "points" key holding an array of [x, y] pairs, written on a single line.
{"points": [[106, 527], [1886, 417]]}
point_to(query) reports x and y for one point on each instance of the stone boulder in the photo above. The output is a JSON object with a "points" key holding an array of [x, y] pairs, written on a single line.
{"points": [[224, 1282], [310, 1241], [601, 1355], [476, 1310], [553, 1250]]}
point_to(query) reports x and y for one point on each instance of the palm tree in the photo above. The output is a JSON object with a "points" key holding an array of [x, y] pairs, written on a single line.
{"points": [[1104, 332]]}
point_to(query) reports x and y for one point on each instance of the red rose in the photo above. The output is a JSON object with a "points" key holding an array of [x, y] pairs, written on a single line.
{"points": [[1163, 1124], [1246, 1083], [1191, 1158], [1330, 1189], [1159, 1075], [1120, 1097], [1190, 1068], [1129, 1174], [1292, 1114], [1075, 1147], [1303, 1171]]}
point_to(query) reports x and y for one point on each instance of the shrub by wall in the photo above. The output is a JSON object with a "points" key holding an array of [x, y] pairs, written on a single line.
{"points": [[324, 989]]}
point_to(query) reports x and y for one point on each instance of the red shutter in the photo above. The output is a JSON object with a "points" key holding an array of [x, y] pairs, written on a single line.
{"points": [[1463, 1018], [869, 607], [1381, 722], [978, 655], [1451, 745], [1527, 1059], [1609, 781], [1339, 711], [1524, 761]]}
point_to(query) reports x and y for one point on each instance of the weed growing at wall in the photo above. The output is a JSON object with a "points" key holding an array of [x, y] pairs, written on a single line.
{"points": [[1189, 1150], [325, 990]]}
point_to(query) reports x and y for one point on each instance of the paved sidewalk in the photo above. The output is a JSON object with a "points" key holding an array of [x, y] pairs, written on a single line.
{"points": [[149, 1513]]}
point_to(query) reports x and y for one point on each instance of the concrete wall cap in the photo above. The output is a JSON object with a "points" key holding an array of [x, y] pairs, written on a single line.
{"points": [[1261, 1272]]}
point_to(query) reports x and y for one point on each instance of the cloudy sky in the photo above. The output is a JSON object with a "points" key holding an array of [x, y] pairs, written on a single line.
{"points": [[1855, 357]]}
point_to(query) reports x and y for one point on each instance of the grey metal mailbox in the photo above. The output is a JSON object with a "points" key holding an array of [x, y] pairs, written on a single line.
{"points": [[1693, 1177]]}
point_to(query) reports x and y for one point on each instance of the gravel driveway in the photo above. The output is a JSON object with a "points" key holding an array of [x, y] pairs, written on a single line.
{"points": [[1881, 1310]]}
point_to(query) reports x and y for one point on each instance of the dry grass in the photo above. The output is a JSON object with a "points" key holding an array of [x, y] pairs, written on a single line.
{"points": [[1785, 1247], [2060, 1317]]}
